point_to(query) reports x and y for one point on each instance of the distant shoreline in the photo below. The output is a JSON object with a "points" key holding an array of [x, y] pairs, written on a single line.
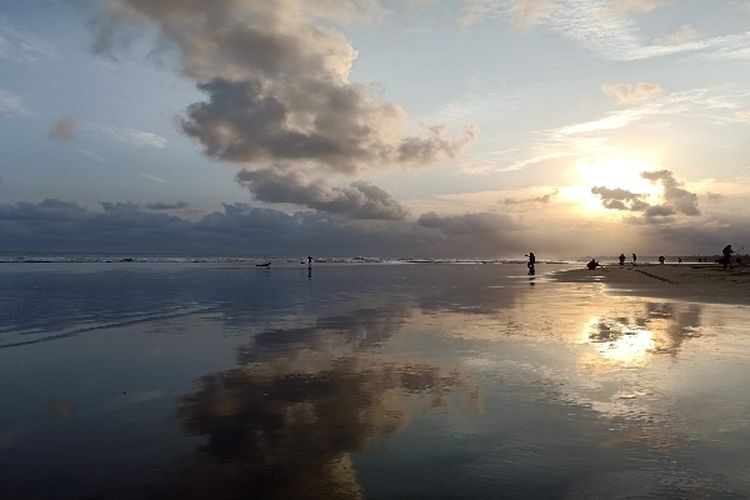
{"points": [[685, 282]]}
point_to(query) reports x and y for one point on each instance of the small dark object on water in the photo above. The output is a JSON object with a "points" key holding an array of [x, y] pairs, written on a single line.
{"points": [[661, 259], [266, 264], [126, 259]]}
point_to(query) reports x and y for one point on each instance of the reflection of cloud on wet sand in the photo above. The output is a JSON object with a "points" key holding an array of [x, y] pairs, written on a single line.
{"points": [[310, 347], [631, 339], [291, 435], [285, 422]]}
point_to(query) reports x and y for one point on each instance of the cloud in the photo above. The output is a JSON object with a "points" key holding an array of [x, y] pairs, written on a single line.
{"points": [[589, 138], [54, 226], [476, 11], [361, 200], [174, 205], [637, 5], [627, 93], [277, 80], [527, 13], [152, 178], [345, 129], [63, 129], [686, 34], [606, 28], [682, 200], [132, 136], [620, 199], [11, 104], [19, 46], [675, 199], [545, 198], [90, 154], [524, 13], [469, 224]]}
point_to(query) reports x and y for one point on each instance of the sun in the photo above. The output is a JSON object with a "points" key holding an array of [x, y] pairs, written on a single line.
{"points": [[613, 172]]}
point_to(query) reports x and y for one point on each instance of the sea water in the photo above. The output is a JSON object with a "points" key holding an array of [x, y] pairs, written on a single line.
{"points": [[218, 379]]}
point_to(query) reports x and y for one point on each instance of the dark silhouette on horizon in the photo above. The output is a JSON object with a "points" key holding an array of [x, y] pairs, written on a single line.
{"points": [[635, 257], [622, 259], [726, 258], [532, 263], [661, 259]]}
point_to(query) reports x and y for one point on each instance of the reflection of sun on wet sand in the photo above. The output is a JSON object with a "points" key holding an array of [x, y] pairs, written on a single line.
{"points": [[682, 281]]}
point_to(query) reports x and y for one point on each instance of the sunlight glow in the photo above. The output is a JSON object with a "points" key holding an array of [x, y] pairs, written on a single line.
{"points": [[614, 172], [618, 342]]}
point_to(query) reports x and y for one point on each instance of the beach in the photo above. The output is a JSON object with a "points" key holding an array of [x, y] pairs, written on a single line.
{"points": [[223, 380], [692, 282]]}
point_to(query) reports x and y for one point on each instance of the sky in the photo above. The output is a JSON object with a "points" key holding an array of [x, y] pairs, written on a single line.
{"points": [[404, 128]]}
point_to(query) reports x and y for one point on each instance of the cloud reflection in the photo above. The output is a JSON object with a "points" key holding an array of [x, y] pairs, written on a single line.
{"points": [[658, 328], [285, 422]]}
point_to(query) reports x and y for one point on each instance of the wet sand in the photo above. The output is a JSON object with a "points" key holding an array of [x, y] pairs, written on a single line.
{"points": [[704, 283], [178, 380]]}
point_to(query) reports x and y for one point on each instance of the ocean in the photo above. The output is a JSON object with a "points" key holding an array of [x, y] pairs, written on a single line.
{"points": [[362, 378]]}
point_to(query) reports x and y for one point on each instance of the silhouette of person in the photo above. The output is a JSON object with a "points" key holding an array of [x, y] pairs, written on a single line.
{"points": [[593, 264], [679, 260], [727, 256], [635, 257], [661, 259], [309, 261], [531, 264], [622, 259]]}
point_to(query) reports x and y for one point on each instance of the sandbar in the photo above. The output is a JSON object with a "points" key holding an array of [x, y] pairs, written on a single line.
{"points": [[690, 282]]}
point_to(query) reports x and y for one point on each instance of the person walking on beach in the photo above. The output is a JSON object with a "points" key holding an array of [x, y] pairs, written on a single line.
{"points": [[532, 263], [661, 259], [635, 257], [726, 259], [622, 259], [309, 261]]}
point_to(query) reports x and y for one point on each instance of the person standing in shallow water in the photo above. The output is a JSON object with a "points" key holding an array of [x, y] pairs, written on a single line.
{"points": [[727, 256], [622, 259], [635, 257], [531, 264]]}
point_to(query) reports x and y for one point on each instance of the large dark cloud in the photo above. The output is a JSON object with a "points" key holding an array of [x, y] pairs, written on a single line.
{"points": [[620, 199], [277, 79], [681, 200], [471, 223], [675, 199], [168, 205], [361, 200], [57, 226]]}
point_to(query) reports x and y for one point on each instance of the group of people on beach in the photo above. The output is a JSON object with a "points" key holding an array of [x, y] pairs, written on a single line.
{"points": [[725, 260]]}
